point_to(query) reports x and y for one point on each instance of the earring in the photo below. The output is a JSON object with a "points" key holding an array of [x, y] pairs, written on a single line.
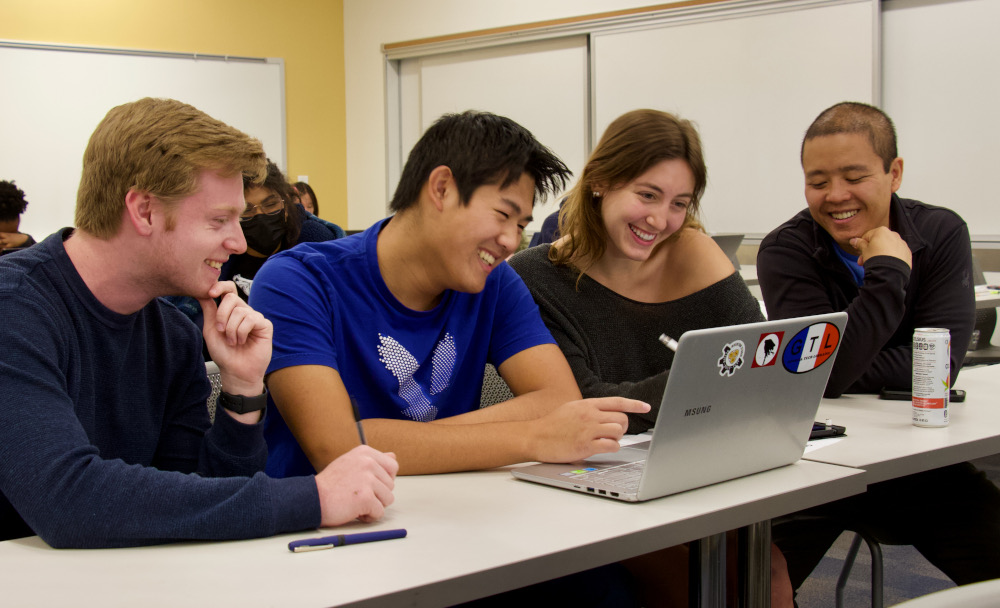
{"points": [[596, 194]]}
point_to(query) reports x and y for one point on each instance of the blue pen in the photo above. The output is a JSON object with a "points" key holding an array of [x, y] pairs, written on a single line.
{"points": [[329, 542]]}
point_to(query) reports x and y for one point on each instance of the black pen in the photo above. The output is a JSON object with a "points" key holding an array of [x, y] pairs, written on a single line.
{"points": [[357, 420]]}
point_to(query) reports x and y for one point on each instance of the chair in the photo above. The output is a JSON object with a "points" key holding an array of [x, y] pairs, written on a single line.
{"points": [[213, 376], [495, 390], [981, 351], [861, 534], [845, 573]]}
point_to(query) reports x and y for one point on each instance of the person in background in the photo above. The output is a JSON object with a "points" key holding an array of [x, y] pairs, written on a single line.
{"points": [[633, 262], [12, 205], [307, 196], [550, 228], [893, 264], [272, 222], [105, 439]]}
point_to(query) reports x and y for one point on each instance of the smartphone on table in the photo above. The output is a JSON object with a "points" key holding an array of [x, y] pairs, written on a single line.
{"points": [[954, 396]]}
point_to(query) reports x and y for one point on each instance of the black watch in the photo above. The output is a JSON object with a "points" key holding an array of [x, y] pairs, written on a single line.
{"points": [[240, 404]]}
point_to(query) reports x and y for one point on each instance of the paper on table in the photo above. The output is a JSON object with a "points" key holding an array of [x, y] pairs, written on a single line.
{"points": [[633, 439], [816, 444]]}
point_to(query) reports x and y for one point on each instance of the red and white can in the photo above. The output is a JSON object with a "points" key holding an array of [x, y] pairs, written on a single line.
{"points": [[931, 376]]}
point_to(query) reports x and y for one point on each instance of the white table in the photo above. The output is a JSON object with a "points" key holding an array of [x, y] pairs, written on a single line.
{"points": [[470, 535], [977, 595], [882, 440], [987, 299]]}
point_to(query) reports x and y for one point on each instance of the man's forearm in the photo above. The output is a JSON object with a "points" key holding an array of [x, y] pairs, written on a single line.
{"points": [[423, 448]]}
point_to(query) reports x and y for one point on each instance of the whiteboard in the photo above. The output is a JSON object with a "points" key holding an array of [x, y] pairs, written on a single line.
{"points": [[941, 87], [541, 85], [55, 97], [752, 84]]}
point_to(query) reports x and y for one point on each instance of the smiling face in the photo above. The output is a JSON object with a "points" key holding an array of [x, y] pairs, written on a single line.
{"points": [[646, 211], [201, 232], [485, 232], [847, 187]]}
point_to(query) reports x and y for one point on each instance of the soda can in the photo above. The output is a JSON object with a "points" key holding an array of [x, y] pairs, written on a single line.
{"points": [[931, 376]]}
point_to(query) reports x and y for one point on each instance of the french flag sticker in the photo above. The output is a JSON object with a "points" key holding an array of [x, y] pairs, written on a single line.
{"points": [[809, 348]]}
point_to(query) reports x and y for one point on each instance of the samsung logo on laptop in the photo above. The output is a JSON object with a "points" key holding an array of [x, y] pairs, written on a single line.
{"points": [[698, 410]]}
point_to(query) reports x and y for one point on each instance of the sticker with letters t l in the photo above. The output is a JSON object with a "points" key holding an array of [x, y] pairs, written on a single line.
{"points": [[809, 348], [732, 358], [768, 347]]}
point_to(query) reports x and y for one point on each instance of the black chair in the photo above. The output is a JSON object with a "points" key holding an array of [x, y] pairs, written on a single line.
{"points": [[981, 351], [845, 573], [861, 534]]}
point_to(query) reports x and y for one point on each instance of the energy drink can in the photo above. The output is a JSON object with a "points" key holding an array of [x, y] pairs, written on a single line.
{"points": [[931, 376]]}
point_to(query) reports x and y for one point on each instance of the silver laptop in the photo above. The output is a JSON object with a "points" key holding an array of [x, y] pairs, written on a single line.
{"points": [[739, 400]]}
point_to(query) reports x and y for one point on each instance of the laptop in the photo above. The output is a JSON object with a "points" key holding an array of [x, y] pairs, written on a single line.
{"points": [[739, 400]]}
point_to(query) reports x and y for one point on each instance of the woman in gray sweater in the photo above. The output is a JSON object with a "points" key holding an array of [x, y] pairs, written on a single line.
{"points": [[633, 262]]}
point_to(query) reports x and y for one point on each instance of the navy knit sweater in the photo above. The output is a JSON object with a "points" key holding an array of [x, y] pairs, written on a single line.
{"points": [[104, 435]]}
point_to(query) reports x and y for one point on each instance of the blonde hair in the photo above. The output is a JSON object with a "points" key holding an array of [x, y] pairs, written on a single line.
{"points": [[631, 145], [159, 146]]}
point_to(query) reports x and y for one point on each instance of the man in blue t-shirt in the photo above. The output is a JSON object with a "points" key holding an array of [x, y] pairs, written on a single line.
{"points": [[105, 439], [404, 317]]}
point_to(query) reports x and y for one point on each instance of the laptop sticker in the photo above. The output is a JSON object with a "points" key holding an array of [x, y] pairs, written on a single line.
{"points": [[732, 358], [768, 347], [809, 348]]}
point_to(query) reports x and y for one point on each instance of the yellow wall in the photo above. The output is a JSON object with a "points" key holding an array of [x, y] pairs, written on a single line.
{"points": [[307, 34]]}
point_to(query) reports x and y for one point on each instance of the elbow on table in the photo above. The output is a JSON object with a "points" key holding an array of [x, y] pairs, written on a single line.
{"points": [[62, 537], [74, 535]]}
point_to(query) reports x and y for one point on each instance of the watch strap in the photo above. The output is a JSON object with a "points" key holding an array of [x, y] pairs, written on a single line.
{"points": [[241, 404]]}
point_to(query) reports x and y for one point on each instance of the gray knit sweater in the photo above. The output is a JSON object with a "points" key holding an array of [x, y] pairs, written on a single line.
{"points": [[611, 342]]}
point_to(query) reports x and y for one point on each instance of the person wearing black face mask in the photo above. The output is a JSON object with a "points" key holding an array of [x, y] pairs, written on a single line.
{"points": [[265, 231], [272, 221]]}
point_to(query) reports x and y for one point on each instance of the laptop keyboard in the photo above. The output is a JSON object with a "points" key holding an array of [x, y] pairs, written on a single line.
{"points": [[625, 475]]}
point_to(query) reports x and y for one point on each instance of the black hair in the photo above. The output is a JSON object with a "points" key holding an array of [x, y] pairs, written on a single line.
{"points": [[479, 148], [12, 203], [857, 117]]}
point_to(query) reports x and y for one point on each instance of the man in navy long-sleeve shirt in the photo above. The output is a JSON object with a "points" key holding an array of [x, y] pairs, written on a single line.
{"points": [[893, 265], [105, 439]]}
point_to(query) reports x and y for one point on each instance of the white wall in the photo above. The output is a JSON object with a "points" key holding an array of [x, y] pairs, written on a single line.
{"points": [[370, 23], [941, 87]]}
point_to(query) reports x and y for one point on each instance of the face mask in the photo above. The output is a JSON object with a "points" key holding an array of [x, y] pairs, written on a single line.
{"points": [[264, 231]]}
